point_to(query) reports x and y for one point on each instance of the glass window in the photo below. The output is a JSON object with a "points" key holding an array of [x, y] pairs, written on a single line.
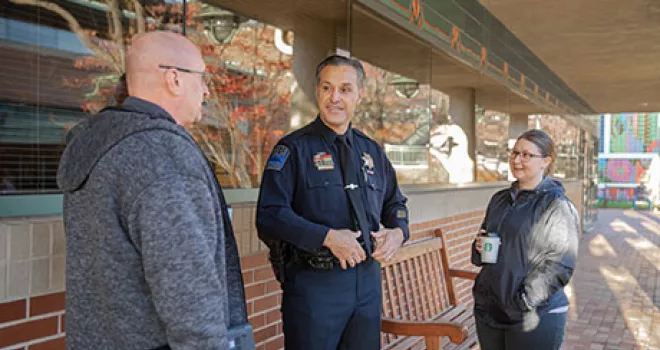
{"points": [[567, 142], [394, 112], [411, 121], [64, 66], [492, 145], [250, 105]]}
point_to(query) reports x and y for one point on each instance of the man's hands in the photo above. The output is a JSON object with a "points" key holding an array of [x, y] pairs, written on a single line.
{"points": [[344, 245], [388, 242]]}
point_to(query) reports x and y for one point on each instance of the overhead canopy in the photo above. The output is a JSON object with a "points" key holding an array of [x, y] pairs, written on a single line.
{"points": [[379, 41], [607, 51]]}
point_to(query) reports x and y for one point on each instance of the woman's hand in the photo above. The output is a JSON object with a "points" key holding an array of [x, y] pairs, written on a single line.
{"points": [[478, 242]]}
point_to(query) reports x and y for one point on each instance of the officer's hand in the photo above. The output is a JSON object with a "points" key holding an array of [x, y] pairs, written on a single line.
{"points": [[344, 245], [479, 241], [388, 241]]}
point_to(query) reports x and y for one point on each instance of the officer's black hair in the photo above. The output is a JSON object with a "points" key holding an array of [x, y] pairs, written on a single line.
{"points": [[337, 60]]}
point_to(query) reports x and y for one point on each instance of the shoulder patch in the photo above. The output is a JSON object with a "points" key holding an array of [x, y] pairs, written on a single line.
{"points": [[278, 158]]}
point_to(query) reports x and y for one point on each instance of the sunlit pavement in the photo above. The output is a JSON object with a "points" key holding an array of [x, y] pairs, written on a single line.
{"points": [[615, 291]]}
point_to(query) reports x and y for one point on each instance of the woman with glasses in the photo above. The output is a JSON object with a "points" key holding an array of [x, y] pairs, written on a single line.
{"points": [[519, 299]]}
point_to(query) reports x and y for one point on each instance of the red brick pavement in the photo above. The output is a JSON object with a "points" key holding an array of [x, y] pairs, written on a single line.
{"points": [[615, 291]]}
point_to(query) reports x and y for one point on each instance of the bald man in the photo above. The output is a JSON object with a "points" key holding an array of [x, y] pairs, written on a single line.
{"points": [[151, 257]]}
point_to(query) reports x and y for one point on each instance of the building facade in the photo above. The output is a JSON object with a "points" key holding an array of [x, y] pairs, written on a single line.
{"points": [[629, 156], [447, 140]]}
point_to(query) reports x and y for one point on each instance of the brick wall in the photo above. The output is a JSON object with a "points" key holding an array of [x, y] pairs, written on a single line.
{"points": [[32, 269], [35, 323], [263, 297], [38, 322]]}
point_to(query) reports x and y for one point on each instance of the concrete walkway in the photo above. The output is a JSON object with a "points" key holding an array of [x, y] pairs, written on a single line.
{"points": [[615, 291]]}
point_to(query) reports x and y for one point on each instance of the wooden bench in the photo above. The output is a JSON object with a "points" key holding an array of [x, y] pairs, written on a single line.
{"points": [[420, 310]]}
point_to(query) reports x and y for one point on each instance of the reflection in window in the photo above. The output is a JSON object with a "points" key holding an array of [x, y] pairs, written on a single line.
{"points": [[412, 122], [66, 63], [492, 145], [63, 59], [450, 158], [249, 109], [567, 142]]}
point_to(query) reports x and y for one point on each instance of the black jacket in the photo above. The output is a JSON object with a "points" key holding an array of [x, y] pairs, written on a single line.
{"points": [[539, 241], [301, 199]]}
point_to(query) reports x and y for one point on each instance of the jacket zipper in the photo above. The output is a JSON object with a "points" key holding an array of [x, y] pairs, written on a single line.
{"points": [[507, 212]]}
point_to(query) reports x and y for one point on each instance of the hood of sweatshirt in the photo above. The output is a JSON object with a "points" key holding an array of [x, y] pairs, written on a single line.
{"points": [[90, 140]]}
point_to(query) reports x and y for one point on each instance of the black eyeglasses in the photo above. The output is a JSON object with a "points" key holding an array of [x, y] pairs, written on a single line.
{"points": [[526, 157], [206, 76]]}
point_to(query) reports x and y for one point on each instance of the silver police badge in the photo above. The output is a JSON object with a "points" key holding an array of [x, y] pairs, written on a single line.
{"points": [[368, 164]]}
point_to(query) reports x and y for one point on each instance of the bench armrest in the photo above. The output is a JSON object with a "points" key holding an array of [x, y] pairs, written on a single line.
{"points": [[470, 275], [456, 332]]}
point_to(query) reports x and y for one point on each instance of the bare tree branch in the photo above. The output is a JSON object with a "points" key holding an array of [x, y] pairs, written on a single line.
{"points": [[110, 79], [234, 144], [75, 27], [117, 33], [219, 159], [139, 16]]}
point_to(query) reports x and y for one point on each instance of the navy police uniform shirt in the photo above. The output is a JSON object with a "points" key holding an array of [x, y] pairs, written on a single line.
{"points": [[302, 193]]}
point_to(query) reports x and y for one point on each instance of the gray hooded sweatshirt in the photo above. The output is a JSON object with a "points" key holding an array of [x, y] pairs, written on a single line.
{"points": [[151, 257]]}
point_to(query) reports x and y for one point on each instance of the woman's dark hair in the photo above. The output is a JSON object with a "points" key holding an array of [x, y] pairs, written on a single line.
{"points": [[121, 90], [544, 142]]}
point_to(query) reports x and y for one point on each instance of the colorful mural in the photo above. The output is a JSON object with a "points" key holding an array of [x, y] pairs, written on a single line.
{"points": [[634, 133], [629, 155], [616, 193], [628, 171]]}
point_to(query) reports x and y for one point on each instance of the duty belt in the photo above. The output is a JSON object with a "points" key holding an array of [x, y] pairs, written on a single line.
{"points": [[323, 259]]}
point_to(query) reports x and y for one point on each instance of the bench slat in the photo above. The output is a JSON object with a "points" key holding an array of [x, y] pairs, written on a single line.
{"points": [[419, 277], [434, 283], [390, 291], [470, 275], [402, 298], [414, 249], [464, 317], [451, 312]]}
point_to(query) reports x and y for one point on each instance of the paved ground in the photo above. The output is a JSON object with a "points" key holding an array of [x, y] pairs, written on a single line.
{"points": [[615, 292]]}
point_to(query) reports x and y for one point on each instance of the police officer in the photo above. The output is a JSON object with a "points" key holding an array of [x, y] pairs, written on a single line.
{"points": [[326, 190]]}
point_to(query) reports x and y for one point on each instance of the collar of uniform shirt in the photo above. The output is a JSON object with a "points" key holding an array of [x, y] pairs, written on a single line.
{"points": [[330, 135]]}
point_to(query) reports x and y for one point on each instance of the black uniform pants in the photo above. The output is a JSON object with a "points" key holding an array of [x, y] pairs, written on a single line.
{"points": [[334, 309], [548, 335]]}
